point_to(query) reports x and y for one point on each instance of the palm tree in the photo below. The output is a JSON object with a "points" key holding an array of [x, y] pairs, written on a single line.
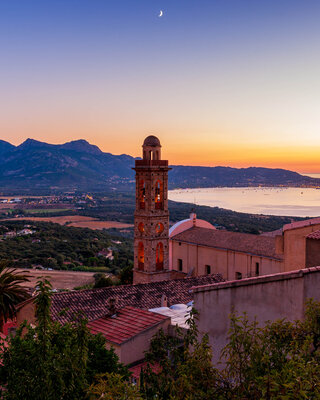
{"points": [[11, 291]]}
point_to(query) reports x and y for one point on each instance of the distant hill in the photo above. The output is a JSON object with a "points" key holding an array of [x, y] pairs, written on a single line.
{"points": [[183, 177], [78, 165]]}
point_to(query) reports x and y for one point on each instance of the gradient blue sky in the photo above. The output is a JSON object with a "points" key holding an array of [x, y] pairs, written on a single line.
{"points": [[228, 82]]}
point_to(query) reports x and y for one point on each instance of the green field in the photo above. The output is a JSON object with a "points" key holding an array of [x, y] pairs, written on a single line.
{"points": [[46, 210]]}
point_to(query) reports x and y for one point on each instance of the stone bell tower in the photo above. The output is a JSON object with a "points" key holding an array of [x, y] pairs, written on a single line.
{"points": [[151, 218]]}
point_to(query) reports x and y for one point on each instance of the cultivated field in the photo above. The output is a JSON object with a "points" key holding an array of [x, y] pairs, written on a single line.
{"points": [[77, 221], [59, 279]]}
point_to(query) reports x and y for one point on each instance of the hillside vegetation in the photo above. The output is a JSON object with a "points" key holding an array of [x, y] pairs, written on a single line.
{"points": [[40, 167]]}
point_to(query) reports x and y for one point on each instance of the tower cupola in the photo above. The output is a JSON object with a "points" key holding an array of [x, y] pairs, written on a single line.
{"points": [[151, 148]]}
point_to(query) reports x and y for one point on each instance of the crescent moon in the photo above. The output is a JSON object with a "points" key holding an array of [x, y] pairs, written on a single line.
{"points": [[161, 14]]}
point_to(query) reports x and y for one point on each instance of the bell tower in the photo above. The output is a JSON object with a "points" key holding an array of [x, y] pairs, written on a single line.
{"points": [[151, 218]]}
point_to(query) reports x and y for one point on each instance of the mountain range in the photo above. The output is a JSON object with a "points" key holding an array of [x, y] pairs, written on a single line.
{"points": [[78, 165]]}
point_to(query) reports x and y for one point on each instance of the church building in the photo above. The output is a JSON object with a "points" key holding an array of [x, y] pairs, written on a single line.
{"points": [[194, 247]]}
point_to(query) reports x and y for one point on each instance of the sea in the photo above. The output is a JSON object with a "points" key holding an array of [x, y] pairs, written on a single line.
{"points": [[285, 201]]}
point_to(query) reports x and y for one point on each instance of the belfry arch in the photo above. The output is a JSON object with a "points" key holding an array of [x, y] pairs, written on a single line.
{"points": [[158, 200]]}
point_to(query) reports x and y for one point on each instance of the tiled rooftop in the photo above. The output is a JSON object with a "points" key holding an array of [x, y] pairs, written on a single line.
{"points": [[314, 235], [127, 323], [93, 302], [302, 224], [241, 242]]}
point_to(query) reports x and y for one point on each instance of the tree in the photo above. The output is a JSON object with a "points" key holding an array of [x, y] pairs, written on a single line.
{"points": [[53, 361], [126, 275], [185, 368], [11, 291], [101, 280], [113, 387], [278, 361]]}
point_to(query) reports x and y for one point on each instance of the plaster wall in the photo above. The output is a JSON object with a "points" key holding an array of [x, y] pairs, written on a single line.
{"points": [[265, 298], [312, 253], [133, 349], [225, 262], [26, 312], [295, 246]]}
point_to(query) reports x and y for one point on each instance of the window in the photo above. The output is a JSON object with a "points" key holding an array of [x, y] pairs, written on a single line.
{"points": [[257, 269], [159, 257], [238, 275], [180, 264], [142, 194], [159, 228], [140, 256], [141, 227], [158, 196], [208, 269]]}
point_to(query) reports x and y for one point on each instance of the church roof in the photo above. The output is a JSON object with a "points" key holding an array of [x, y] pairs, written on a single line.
{"points": [[241, 242], [93, 303]]}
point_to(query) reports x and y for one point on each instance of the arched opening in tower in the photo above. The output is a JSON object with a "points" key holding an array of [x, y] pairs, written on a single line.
{"points": [[158, 195], [155, 155], [141, 227], [159, 257], [159, 228], [142, 194], [140, 256]]}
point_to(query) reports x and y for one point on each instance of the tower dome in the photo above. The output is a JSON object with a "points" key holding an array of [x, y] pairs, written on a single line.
{"points": [[151, 141], [151, 148]]}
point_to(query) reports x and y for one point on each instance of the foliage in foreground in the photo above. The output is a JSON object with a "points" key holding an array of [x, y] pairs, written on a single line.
{"points": [[53, 361], [11, 291], [278, 361], [113, 387]]}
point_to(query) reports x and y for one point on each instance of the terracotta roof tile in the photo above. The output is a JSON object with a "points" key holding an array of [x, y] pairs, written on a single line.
{"points": [[93, 302], [301, 224], [241, 242], [127, 323], [314, 235]]}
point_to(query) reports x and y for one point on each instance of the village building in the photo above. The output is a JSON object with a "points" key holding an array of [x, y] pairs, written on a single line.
{"points": [[197, 248], [129, 331]]}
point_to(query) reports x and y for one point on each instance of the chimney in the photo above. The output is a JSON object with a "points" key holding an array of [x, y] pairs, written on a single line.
{"points": [[193, 218], [164, 301], [111, 306]]}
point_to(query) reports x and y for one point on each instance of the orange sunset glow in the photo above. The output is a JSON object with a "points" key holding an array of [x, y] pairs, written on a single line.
{"points": [[221, 84]]}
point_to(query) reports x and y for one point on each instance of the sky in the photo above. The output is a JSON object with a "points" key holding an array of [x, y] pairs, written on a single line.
{"points": [[220, 82]]}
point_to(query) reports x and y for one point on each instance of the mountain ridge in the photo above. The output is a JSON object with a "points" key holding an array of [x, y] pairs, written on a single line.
{"points": [[79, 165]]}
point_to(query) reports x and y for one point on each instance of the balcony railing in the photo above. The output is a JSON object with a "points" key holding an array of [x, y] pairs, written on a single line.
{"points": [[151, 163]]}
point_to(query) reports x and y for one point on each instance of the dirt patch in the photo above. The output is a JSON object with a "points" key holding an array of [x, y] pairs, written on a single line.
{"points": [[59, 279], [77, 221]]}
